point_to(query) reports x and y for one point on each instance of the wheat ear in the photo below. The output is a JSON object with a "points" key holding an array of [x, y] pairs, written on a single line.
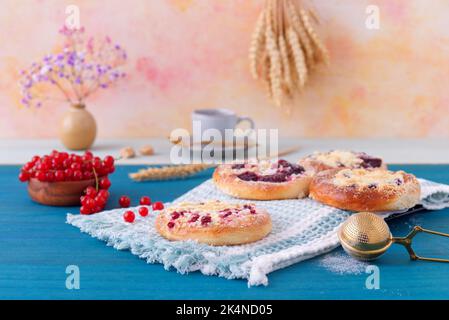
{"points": [[298, 55], [323, 53], [257, 44]]}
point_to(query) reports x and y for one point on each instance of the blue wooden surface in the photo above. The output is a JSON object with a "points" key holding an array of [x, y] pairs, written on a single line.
{"points": [[36, 246]]}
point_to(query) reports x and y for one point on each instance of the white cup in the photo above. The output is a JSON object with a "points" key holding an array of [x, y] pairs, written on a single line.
{"points": [[218, 119]]}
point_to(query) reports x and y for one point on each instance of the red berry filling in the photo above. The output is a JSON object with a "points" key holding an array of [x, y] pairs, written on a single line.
{"points": [[283, 172]]}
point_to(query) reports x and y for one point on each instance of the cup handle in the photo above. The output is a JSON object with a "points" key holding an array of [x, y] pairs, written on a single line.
{"points": [[248, 119]]}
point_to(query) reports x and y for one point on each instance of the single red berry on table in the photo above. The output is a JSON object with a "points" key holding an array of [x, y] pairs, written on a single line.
{"points": [[124, 201], [143, 211], [24, 176], [158, 205], [105, 183], [129, 216], [145, 201]]}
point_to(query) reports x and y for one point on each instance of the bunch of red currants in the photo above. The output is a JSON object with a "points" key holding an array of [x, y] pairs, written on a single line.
{"points": [[61, 166]]}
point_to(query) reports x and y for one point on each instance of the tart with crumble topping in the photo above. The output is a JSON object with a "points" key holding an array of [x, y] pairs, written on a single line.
{"points": [[320, 161], [263, 180], [366, 189], [214, 222]]}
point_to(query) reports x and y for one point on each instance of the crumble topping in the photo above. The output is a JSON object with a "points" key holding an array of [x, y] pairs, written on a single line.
{"points": [[350, 159], [368, 178], [208, 213]]}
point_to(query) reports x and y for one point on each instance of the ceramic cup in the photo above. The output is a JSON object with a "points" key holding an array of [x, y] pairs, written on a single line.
{"points": [[218, 119]]}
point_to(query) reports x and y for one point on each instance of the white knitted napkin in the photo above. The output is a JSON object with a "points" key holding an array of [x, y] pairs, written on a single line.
{"points": [[302, 229]]}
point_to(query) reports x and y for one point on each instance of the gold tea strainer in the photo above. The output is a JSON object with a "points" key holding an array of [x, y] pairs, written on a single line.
{"points": [[366, 236]]}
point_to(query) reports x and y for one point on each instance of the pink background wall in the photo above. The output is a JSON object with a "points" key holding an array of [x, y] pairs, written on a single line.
{"points": [[187, 54]]}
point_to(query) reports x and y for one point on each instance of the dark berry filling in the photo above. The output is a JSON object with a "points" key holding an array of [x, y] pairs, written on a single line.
{"points": [[194, 217], [175, 215], [205, 220], [284, 171], [238, 166], [248, 176], [370, 162]]}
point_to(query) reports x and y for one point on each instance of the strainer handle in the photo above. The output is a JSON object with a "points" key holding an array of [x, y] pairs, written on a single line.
{"points": [[407, 243]]}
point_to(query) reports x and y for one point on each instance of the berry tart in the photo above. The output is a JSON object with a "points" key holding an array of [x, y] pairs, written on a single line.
{"points": [[214, 222], [264, 180], [366, 189], [320, 161]]}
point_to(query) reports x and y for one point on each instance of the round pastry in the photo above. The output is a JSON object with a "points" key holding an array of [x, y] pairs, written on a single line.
{"points": [[366, 189], [264, 180], [320, 161], [215, 223]]}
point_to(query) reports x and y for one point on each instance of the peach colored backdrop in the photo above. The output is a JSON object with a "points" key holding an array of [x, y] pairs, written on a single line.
{"points": [[187, 54]]}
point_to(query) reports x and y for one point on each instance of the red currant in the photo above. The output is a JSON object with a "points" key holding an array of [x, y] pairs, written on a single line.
{"points": [[41, 176], [50, 176], [143, 211], [105, 183], [129, 216], [68, 174], [88, 156], [145, 201], [28, 166], [103, 193], [75, 166], [24, 176], [101, 201], [90, 192], [158, 206], [77, 175], [85, 210], [108, 161], [96, 163], [89, 202], [88, 175], [35, 159], [124, 201]]}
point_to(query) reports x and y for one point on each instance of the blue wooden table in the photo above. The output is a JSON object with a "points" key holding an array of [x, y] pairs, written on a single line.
{"points": [[36, 246]]}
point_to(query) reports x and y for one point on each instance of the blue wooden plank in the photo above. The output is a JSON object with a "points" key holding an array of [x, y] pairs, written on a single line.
{"points": [[36, 246]]}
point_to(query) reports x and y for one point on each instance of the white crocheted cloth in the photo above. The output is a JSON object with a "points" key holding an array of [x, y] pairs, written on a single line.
{"points": [[302, 229]]}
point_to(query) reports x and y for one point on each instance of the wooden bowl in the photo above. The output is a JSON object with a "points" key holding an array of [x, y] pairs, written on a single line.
{"points": [[61, 194]]}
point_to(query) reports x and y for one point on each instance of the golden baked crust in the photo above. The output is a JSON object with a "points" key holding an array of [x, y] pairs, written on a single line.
{"points": [[366, 189], [320, 161], [227, 180], [230, 224]]}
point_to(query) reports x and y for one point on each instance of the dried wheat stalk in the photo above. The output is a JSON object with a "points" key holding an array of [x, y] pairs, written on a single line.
{"points": [[168, 172], [285, 48]]}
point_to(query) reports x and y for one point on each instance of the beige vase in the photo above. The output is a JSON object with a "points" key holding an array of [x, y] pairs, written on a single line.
{"points": [[78, 128]]}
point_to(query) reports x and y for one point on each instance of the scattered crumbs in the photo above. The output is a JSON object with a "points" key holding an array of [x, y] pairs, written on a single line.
{"points": [[342, 264]]}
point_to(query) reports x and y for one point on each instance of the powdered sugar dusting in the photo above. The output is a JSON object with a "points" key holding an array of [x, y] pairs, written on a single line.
{"points": [[342, 264]]}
